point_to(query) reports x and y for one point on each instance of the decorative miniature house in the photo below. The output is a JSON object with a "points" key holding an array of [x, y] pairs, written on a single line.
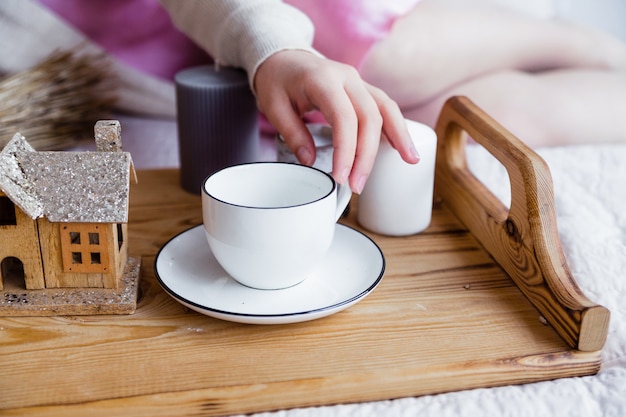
{"points": [[63, 228]]}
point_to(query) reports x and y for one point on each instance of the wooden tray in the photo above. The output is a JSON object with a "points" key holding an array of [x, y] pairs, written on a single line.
{"points": [[447, 315]]}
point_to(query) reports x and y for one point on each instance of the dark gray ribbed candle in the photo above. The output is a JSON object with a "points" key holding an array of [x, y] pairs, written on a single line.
{"points": [[217, 122]]}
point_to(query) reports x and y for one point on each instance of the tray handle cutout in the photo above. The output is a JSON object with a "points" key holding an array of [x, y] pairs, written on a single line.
{"points": [[523, 239]]}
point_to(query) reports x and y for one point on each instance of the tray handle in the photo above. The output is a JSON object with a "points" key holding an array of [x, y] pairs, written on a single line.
{"points": [[524, 239]]}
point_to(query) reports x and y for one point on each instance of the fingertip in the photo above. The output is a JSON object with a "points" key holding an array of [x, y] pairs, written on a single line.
{"points": [[305, 156], [296, 135], [341, 175], [414, 156], [358, 184]]}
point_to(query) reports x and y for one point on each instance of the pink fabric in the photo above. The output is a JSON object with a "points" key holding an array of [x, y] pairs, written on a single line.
{"points": [[137, 32], [345, 30]]}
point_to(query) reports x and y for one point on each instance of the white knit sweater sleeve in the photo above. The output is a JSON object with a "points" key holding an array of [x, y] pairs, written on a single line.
{"points": [[242, 33]]}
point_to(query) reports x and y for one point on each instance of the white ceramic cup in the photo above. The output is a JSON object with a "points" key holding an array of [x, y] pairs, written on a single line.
{"points": [[397, 199], [269, 224]]}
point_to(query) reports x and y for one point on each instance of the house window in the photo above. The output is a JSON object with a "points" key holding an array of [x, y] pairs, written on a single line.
{"points": [[95, 258], [84, 247], [94, 238], [7, 212], [77, 258], [75, 238]]}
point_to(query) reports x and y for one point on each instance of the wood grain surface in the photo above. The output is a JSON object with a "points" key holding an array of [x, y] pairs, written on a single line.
{"points": [[445, 317], [523, 239]]}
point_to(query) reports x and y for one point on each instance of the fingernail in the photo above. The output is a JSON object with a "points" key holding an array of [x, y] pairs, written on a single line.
{"points": [[360, 184], [414, 152], [343, 175], [304, 155]]}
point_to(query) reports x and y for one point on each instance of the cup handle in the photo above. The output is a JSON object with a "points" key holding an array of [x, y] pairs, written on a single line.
{"points": [[344, 194]]}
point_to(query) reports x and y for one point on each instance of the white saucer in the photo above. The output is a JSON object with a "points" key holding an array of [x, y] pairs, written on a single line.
{"points": [[188, 271]]}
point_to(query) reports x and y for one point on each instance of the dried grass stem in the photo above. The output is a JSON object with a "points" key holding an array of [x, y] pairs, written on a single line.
{"points": [[58, 101]]}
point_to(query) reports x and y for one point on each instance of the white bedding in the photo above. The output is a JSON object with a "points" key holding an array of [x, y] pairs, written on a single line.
{"points": [[590, 194]]}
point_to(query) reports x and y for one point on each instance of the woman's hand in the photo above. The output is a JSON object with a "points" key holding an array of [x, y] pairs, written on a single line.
{"points": [[291, 83]]}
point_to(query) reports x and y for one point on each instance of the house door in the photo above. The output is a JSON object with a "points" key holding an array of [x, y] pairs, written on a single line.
{"points": [[12, 274]]}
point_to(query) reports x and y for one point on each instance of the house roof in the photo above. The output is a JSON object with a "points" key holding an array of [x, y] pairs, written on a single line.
{"points": [[81, 187]]}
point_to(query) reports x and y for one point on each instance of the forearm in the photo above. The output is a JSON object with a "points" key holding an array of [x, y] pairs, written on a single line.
{"points": [[242, 33]]}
